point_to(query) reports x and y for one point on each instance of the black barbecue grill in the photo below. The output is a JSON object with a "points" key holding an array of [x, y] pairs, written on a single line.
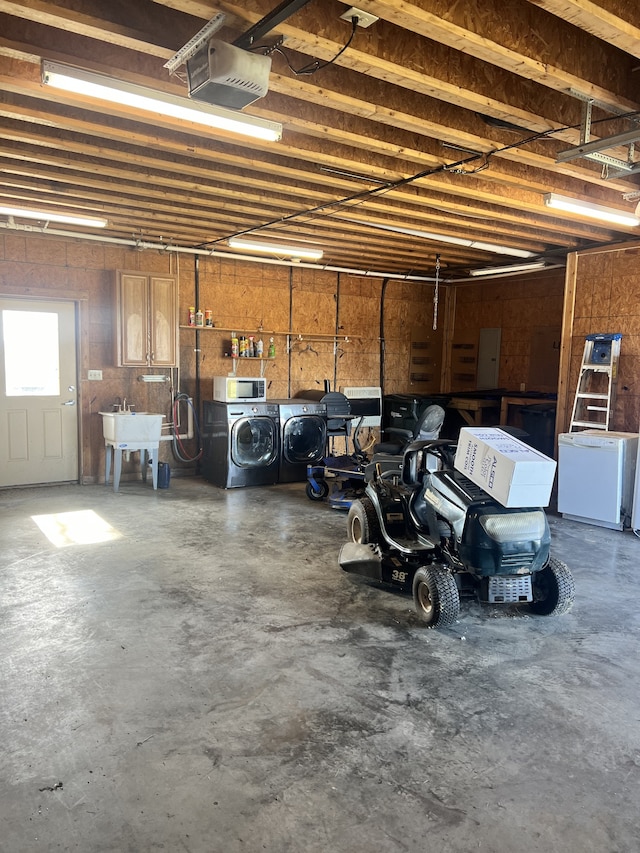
{"points": [[339, 415]]}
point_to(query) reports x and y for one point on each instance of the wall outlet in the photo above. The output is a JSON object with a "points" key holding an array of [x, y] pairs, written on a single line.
{"points": [[94, 374], [364, 18]]}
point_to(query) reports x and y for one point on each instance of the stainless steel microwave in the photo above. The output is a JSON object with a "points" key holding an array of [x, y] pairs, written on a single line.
{"points": [[239, 389]]}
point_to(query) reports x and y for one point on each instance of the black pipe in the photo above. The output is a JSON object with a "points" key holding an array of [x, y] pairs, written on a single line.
{"points": [[335, 340], [290, 335], [196, 294], [385, 282]]}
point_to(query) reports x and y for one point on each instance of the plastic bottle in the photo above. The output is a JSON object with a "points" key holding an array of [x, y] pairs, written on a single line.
{"points": [[243, 347], [235, 345], [208, 317], [251, 349], [272, 348], [199, 318], [259, 348], [192, 316]]}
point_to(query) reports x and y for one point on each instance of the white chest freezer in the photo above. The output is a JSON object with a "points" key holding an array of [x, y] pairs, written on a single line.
{"points": [[596, 474]]}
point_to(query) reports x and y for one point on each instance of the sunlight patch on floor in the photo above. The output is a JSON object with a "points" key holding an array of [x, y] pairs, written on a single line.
{"points": [[84, 527]]}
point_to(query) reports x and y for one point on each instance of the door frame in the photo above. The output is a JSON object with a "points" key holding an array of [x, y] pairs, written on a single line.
{"points": [[81, 302]]}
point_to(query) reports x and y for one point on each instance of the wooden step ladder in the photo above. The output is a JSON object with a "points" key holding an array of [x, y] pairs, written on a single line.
{"points": [[596, 391]]}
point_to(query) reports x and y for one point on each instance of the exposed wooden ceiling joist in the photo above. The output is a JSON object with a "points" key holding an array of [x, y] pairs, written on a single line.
{"points": [[426, 122]]}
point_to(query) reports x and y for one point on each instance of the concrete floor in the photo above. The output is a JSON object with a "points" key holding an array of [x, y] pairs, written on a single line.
{"points": [[211, 682]]}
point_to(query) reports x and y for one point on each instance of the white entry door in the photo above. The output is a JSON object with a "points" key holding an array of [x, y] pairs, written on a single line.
{"points": [[38, 392]]}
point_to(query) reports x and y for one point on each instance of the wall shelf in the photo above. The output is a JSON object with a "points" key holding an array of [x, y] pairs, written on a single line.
{"points": [[224, 329], [298, 336]]}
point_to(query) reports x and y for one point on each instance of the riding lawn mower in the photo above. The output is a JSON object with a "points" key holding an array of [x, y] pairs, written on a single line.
{"points": [[428, 530]]}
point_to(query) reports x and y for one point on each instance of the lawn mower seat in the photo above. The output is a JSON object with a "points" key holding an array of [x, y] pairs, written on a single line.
{"points": [[428, 426]]}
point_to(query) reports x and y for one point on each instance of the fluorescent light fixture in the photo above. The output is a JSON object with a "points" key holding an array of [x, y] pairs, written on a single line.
{"points": [[587, 208], [67, 218], [456, 241], [512, 268], [161, 103], [275, 249]]}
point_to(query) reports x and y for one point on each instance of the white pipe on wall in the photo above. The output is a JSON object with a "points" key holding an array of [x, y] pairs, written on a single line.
{"points": [[208, 253], [189, 433]]}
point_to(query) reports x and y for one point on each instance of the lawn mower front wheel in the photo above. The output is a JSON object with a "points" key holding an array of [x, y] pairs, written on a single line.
{"points": [[362, 522], [553, 589], [435, 596], [317, 493]]}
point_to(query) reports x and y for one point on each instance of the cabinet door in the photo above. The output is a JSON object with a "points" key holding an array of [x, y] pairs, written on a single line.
{"points": [[163, 314], [132, 327]]}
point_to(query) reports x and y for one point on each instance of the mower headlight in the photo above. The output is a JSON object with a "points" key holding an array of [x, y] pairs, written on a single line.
{"points": [[515, 527]]}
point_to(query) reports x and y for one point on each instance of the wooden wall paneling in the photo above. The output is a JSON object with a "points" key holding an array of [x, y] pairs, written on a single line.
{"points": [[464, 361], [565, 400], [544, 358], [425, 359], [449, 318], [358, 359], [262, 292]]}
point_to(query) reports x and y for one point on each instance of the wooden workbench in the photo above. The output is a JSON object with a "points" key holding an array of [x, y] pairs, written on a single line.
{"points": [[476, 410], [505, 402]]}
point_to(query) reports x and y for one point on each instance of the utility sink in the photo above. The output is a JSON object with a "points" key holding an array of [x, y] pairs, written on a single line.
{"points": [[131, 426]]}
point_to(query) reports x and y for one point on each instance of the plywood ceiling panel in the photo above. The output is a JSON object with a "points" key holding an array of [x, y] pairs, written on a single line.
{"points": [[439, 119]]}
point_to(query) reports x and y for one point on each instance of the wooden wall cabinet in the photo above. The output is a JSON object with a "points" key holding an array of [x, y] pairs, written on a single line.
{"points": [[146, 320]]}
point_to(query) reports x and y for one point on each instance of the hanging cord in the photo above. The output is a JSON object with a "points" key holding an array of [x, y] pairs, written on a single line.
{"points": [[179, 450], [311, 67], [363, 195], [435, 294]]}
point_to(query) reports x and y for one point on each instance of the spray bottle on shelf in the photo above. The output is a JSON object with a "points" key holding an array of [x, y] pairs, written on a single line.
{"points": [[272, 348], [259, 348], [235, 345], [251, 348]]}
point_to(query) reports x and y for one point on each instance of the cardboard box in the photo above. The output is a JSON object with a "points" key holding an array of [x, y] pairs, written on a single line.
{"points": [[505, 467]]}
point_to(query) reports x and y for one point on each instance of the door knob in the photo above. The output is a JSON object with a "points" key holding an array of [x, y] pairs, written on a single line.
{"points": [[69, 403]]}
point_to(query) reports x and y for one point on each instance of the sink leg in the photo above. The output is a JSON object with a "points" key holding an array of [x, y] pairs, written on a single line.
{"points": [[154, 469], [144, 462], [117, 468], [107, 463]]}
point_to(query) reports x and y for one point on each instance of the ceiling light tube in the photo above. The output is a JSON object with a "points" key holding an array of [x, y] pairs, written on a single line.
{"points": [[587, 208], [512, 268], [456, 241], [48, 216], [275, 249], [99, 86]]}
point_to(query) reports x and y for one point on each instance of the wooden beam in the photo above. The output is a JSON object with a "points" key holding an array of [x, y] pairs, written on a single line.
{"points": [[602, 22], [89, 26], [533, 47], [564, 370]]}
